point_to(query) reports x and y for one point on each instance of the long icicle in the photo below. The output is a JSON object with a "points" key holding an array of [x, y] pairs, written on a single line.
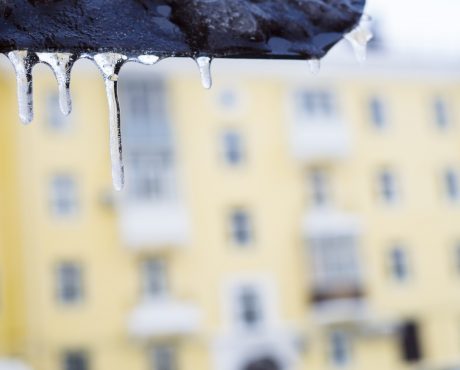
{"points": [[23, 62], [110, 65], [61, 64]]}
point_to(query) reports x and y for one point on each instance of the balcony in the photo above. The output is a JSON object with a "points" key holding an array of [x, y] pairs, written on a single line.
{"points": [[154, 225], [319, 139], [336, 283], [163, 317]]}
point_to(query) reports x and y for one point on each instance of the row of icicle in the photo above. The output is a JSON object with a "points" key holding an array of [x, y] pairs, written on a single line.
{"points": [[109, 65]]}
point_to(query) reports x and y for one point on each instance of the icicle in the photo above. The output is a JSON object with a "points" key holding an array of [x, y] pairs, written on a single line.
{"points": [[61, 64], [110, 65], [315, 66], [359, 37], [23, 62], [148, 59], [204, 64]]}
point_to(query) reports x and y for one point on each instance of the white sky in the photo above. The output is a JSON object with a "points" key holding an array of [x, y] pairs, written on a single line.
{"points": [[422, 26]]}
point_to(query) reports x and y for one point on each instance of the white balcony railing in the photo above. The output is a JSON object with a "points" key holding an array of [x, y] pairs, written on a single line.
{"points": [[13, 364], [154, 225], [163, 317], [317, 139]]}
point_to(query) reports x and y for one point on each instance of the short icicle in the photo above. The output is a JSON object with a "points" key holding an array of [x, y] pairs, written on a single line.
{"points": [[359, 38], [315, 66], [204, 65], [61, 64], [148, 60], [23, 62], [110, 65]]}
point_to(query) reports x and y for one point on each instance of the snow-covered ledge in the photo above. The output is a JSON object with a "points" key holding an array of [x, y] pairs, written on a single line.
{"points": [[163, 317], [154, 225], [319, 139], [13, 364]]}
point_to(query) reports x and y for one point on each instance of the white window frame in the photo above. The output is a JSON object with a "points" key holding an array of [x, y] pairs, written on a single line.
{"points": [[232, 143], [399, 260], [319, 181], [388, 187]]}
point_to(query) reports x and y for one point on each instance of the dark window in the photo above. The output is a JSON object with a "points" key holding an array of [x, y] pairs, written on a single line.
{"points": [[316, 104], [388, 187], [233, 147], [340, 354], [452, 185], [164, 358], [69, 283], [399, 264], [410, 342], [240, 227], [250, 308], [154, 278], [377, 110], [319, 187], [441, 114], [76, 360], [63, 195]]}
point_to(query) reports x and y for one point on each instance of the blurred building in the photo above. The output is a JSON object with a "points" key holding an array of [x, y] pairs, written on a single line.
{"points": [[281, 221]]}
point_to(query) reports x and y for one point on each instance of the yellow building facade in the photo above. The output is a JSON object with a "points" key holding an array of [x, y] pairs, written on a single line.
{"points": [[279, 221]]}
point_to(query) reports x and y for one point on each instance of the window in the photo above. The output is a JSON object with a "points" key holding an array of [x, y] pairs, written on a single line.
{"points": [[240, 227], [152, 176], [440, 113], [319, 187], [69, 283], [63, 196], [318, 104], [377, 113], [388, 187], [249, 308], [335, 260], [452, 186], [154, 278], [75, 360], [457, 257], [339, 349], [410, 342], [233, 148], [164, 358], [56, 119], [399, 264]]}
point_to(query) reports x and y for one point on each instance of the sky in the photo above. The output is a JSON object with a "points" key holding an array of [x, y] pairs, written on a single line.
{"points": [[424, 26]]}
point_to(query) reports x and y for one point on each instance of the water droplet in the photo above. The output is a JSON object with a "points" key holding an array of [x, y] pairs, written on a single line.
{"points": [[204, 65], [148, 59], [61, 64], [23, 62], [110, 65], [359, 38], [315, 66]]}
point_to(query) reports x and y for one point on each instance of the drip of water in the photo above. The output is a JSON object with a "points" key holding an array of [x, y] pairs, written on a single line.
{"points": [[110, 65], [204, 65], [61, 64], [315, 66], [359, 38], [148, 60], [23, 62]]}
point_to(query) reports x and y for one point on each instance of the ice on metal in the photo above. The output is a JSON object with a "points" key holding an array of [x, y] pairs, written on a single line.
{"points": [[23, 62], [61, 64], [148, 59], [360, 37], [315, 66], [204, 65], [110, 65]]}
